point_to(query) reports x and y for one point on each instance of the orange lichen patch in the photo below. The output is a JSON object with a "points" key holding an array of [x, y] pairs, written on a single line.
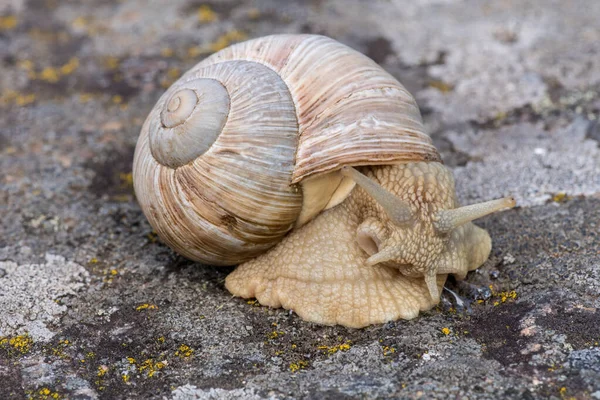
{"points": [[21, 343], [206, 14], [184, 351], [441, 86], [334, 349], [298, 365], [8, 22], [146, 306], [446, 331]]}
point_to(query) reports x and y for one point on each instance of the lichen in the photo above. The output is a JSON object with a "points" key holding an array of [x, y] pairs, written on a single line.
{"points": [[184, 351], [8, 22], [206, 14], [146, 306], [298, 365], [21, 343], [334, 349]]}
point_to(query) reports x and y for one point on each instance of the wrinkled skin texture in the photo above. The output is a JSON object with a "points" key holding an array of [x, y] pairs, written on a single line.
{"points": [[320, 271]]}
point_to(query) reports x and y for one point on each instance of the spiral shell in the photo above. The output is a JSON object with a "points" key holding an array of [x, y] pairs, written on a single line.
{"points": [[247, 144]]}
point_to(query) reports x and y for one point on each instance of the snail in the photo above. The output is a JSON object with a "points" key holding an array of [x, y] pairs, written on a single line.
{"points": [[307, 164]]}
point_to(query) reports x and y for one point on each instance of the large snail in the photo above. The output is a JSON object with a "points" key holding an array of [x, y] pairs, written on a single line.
{"points": [[249, 158]]}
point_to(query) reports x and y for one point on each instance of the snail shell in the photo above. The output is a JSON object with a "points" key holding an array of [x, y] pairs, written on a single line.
{"points": [[248, 143]]}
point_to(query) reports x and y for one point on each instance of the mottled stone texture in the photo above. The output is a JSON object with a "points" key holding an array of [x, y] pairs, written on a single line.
{"points": [[93, 306]]}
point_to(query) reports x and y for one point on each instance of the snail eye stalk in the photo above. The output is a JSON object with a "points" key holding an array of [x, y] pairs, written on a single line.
{"points": [[445, 221], [398, 210]]}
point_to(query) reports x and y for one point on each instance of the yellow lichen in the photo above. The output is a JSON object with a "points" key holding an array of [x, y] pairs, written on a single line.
{"points": [[85, 97], [50, 74], [93, 260], [152, 236], [294, 367], [206, 14], [131, 360], [102, 370], [253, 13], [21, 343], [117, 99], [151, 367], [562, 390], [275, 334], [441, 86], [80, 22], [184, 351], [113, 272], [446, 331], [126, 179], [334, 349], [70, 66], [14, 97], [167, 52], [146, 306], [125, 378], [8, 22], [560, 197], [227, 39], [161, 339], [388, 350], [110, 63]]}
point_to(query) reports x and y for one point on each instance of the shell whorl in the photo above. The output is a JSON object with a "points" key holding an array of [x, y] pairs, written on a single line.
{"points": [[190, 121], [213, 175]]}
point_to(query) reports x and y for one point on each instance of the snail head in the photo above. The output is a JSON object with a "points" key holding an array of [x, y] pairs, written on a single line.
{"points": [[414, 225]]}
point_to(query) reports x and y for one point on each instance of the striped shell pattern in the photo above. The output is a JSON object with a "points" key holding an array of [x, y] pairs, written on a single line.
{"points": [[247, 144]]}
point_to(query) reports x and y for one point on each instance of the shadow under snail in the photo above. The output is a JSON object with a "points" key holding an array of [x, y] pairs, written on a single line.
{"points": [[306, 163]]}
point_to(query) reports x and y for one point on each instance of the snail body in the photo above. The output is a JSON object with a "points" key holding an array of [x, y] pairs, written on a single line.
{"points": [[249, 158]]}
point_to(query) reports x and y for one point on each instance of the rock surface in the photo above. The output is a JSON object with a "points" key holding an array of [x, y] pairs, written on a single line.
{"points": [[92, 306]]}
